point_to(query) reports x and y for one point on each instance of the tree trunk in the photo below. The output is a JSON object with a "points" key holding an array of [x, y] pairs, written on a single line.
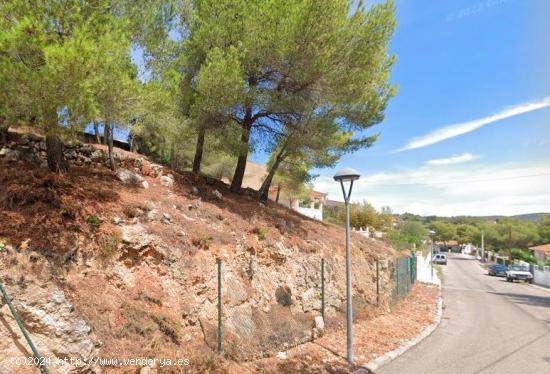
{"points": [[198, 150], [3, 134], [263, 193], [111, 130], [54, 152], [278, 193], [173, 161], [238, 176], [96, 132], [132, 142]]}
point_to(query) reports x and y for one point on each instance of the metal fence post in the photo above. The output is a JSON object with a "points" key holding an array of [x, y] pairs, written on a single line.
{"points": [[377, 283], [219, 332], [40, 359], [323, 288], [397, 276]]}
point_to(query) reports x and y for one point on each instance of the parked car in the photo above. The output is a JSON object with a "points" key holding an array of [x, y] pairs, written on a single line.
{"points": [[498, 270], [519, 272], [440, 258]]}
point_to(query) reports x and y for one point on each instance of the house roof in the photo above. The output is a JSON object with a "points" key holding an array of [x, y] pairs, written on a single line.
{"points": [[541, 248]]}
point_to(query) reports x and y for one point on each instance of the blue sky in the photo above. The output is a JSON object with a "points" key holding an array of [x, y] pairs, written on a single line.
{"points": [[457, 62]]}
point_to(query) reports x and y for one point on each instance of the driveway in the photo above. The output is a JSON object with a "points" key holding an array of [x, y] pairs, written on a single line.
{"points": [[488, 326]]}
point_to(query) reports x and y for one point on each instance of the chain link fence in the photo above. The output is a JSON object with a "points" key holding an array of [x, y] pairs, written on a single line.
{"points": [[392, 281]]}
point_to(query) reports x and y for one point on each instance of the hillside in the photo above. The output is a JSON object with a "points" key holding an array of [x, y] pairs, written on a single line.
{"points": [[123, 264]]}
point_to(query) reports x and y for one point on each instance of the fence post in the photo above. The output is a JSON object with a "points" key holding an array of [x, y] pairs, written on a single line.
{"points": [[323, 288], [219, 332], [40, 359], [397, 276], [377, 283]]}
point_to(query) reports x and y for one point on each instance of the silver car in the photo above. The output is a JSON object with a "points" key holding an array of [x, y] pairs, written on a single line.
{"points": [[440, 258]]}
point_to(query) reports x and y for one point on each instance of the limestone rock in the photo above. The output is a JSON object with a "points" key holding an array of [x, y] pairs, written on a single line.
{"points": [[136, 236], [216, 195], [128, 177], [166, 181]]}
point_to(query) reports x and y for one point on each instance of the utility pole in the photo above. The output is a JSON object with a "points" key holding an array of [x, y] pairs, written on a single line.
{"points": [[482, 246]]}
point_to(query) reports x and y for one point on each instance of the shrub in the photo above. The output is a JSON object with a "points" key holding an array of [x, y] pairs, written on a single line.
{"points": [[108, 245], [202, 241], [260, 232], [93, 222], [523, 255]]}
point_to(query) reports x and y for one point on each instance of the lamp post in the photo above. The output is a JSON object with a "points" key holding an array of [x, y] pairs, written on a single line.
{"points": [[343, 176], [432, 233]]}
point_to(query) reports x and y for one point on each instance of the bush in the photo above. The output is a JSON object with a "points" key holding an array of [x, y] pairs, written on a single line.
{"points": [[108, 245], [202, 241], [523, 255], [260, 232], [93, 222]]}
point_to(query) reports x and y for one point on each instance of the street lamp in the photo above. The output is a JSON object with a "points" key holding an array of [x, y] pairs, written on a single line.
{"points": [[432, 234], [343, 176]]}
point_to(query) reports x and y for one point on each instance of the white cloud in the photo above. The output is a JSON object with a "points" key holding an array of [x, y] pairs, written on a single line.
{"points": [[465, 157], [505, 189], [451, 131]]}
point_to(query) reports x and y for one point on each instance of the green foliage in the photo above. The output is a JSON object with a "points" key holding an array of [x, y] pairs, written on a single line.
{"points": [[293, 71], [443, 231], [108, 245], [410, 235], [93, 222], [362, 215], [260, 232], [544, 230], [523, 255]]}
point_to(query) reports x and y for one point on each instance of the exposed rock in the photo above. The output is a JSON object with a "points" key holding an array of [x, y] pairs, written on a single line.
{"points": [[319, 323], [128, 177], [156, 170], [136, 236], [51, 321], [145, 185], [311, 300], [166, 181], [282, 355], [10, 154], [166, 218], [98, 155], [216, 195]]}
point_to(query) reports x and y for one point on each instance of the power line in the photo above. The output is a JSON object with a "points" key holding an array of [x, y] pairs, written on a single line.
{"points": [[458, 181]]}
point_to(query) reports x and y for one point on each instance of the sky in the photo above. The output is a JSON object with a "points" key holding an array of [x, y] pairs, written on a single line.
{"points": [[469, 131]]}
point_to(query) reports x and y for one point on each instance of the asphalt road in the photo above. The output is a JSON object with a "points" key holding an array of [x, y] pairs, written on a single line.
{"points": [[488, 326]]}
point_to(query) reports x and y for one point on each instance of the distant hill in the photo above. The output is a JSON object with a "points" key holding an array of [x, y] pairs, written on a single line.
{"points": [[532, 217]]}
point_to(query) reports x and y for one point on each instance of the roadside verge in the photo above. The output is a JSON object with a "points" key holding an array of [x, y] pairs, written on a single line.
{"points": [[387, 357]]}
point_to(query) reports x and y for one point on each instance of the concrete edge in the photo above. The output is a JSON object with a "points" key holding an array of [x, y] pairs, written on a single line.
{"points": [[388, 357]]}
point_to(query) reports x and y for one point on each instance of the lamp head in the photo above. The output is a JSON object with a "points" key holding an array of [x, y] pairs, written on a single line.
{"points": [[346, 175]]}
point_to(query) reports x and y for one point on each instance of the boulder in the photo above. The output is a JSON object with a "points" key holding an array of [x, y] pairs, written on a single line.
{"points": [[216, 195], [145, 185], [128, 177], [166, 181], [136, 236]]}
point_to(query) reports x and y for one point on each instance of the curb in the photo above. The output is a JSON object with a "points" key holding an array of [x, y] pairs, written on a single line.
{"points": [[388, 357]]}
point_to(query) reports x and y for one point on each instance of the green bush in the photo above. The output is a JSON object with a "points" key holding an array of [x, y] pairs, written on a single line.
{"points": [[523, 255], [93, 222], [260, 232]]}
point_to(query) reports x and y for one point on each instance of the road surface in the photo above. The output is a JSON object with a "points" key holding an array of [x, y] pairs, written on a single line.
{"points": [[488, 326]]}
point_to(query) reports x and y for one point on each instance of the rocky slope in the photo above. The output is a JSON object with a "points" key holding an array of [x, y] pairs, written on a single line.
{"points": [[123, 265]]}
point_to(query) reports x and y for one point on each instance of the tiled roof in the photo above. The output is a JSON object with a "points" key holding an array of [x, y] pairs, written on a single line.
{"points": [[541, 248]]}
